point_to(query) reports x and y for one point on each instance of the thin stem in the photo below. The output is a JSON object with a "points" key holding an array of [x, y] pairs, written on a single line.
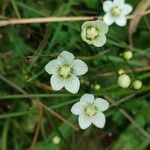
{"points": [[40, 116], [105, 74], [134, 123], [34, 96], [52, 112], [45, 20], [54, 19]]}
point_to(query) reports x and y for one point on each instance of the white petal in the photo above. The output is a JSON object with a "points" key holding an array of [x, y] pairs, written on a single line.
{"points": [[118, 2], [108, 19], [77, 108], [99, 120], [65, 56], [87, 24], [102, 26], [56, 82], [107, 5], [87, 98], [121, 21], [84, 121], [72, 84], [52, 66], [100, 41], [102, 104], [126, 9], [79, 67]]}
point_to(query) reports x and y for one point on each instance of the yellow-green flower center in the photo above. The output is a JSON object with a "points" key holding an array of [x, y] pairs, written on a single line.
{"points": [[90, 110], [91, 33], [65, 71], [115, 11]]}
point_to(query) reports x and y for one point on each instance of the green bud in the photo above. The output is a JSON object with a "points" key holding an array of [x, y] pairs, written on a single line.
{"points": [[127, 55], [137, 84], [124, 81]]}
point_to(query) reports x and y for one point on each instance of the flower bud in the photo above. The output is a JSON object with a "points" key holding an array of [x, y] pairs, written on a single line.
{"points": [[124, 81], [127, 55], [121, 71], [56, 140], [97, 87], [137, 84]]}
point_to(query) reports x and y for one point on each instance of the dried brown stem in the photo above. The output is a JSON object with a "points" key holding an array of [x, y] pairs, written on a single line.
{"points": [[105, 74], [52, 112], [134, 123], [54, 19], [40, 115]]}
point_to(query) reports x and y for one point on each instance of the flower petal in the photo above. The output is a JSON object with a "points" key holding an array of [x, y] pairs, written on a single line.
{"points": [[77, 108], [102, 104], [79, 67], [126, 9], [107, 5], [65, 56], [121, 21], [118, 2], [72, 84], [84, 121], [102, 26], [87, 24], [100, 41], [52, 66], [87, 98], [99, 120], [56, 82], [108, 19]]}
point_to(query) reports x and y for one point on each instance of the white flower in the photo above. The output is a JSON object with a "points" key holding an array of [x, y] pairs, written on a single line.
{"points": [[65, 70], [93, 32], [90, 111], [116, 11]]}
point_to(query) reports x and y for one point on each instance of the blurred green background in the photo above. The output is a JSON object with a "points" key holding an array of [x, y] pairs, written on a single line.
{"points": [[26, 49]]}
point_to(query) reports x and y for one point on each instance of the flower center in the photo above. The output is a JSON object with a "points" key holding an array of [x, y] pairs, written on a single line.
{"points": [[90, 110], [91, 33], [65, 71], [115, 11]]}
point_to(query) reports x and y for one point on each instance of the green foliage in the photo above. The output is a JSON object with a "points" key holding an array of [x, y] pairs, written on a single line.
{"points": [[26, 49]]}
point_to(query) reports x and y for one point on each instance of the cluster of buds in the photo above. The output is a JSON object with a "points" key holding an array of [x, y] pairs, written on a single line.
{"points": [[124, 81]]}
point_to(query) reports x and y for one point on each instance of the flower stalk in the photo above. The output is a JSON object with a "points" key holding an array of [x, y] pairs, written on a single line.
{"points": [[7, 22]]}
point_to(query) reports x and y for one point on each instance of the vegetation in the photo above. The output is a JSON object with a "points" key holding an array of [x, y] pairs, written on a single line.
{"points": [[34, 116]]}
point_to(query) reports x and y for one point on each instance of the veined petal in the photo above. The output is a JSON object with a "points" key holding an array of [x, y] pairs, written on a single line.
{"points": [[87, 99], [108, 19], [101, 104], [79, 67], [102, 26], [107, 5], [121, 21], [56, 82], [84, 121], [52, 66], [87, 24], [118, 2], [100, 41], [65, 56], [77, 108], [72, 84], [99, 120], [126, 9]]}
